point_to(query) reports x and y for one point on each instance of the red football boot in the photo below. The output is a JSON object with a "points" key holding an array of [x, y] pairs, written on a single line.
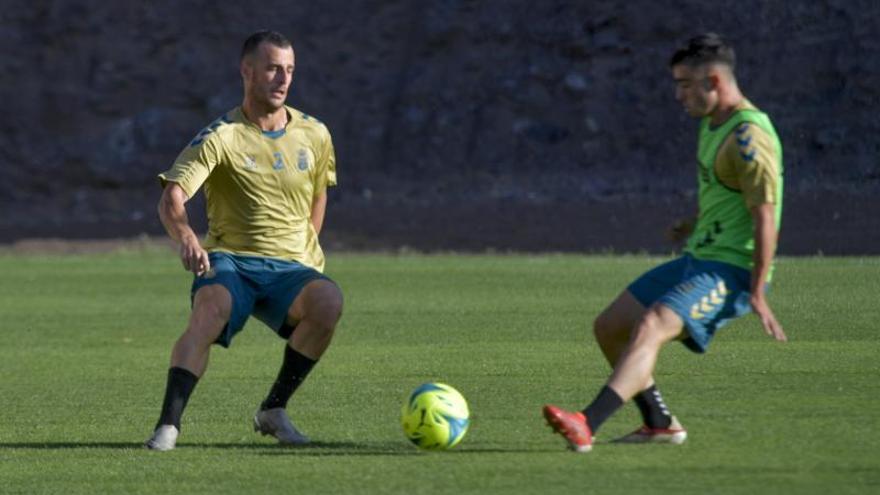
{"points": [[572, 426]]}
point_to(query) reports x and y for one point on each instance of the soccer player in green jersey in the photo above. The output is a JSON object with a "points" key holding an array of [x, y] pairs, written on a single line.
{"points": [[726, 265], [265, 168]]}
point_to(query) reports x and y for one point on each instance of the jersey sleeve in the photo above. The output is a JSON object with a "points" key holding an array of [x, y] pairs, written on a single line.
{"points": [[193, 166], [325, 167], [756, 163]]}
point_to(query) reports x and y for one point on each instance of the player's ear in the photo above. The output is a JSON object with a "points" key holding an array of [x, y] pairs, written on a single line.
{"points": [[245, 68], [711, 82]]}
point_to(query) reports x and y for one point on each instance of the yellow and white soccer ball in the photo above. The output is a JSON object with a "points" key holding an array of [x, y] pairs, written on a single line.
{"points": [[435, 417]]}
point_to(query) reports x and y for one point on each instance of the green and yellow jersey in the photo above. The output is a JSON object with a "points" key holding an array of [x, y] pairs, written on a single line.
{"points": [[740, 167], [259, 186]]}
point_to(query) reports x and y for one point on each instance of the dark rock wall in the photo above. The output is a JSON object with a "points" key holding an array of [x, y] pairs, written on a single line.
{"points": [[432, 104]]}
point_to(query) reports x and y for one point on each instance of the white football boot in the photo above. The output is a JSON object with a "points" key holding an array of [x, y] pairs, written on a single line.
{"points": [[164, 438], [276, 423], [675, 434]]}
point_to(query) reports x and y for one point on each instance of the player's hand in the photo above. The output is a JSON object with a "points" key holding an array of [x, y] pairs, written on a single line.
{"points": [[193, 257], [768, 319], [680, 230]]}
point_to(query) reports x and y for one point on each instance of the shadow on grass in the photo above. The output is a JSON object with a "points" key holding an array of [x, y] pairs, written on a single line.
{"points": [[317, 449], [71, 445]]}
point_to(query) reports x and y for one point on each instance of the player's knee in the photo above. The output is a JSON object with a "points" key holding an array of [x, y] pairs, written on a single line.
{"points": [[214, 311], [201, 332], [646, 330], [329, 312], [325, 309], [652, 330]]}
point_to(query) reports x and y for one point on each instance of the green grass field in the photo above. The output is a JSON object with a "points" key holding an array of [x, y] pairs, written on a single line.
{"points": [[86, 341]]}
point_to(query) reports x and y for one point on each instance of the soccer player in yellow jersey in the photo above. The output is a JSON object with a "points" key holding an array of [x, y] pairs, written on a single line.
{"points": [[727, 263], [265, 168]]}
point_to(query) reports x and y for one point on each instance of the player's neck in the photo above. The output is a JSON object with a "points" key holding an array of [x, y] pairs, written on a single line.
{"points": [[728, 103], [264, 118]]}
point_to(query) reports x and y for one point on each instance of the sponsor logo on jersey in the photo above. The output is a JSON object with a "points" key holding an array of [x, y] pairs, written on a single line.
{"points": [[279, 161]]}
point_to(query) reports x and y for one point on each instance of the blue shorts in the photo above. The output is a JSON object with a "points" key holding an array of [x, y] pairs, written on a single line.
{"points": [[705, 294], [263, 287]]}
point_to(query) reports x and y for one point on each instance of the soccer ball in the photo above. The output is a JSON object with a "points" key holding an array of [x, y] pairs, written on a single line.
{"points": [[435, 417]]}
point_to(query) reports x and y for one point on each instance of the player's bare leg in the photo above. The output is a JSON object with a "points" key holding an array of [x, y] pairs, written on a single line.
{"points": [[613, 329], [314, 314], [614, 325], [212, 306], [634, 367]]}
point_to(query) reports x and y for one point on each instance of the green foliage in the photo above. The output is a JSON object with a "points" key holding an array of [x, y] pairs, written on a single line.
{"points": [[86, 342]]}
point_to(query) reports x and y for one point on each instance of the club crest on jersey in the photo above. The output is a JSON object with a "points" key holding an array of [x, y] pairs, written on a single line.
{"points": [[250, 163], [302, 160]]}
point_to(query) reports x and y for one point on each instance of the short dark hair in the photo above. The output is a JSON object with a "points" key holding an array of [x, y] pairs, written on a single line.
{"points": [[264, 36], [705, 49]]}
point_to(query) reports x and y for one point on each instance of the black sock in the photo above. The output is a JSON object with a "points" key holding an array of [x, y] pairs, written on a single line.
{"points": [[294, 370], [602, 407], [181, 383], [654, 411]]}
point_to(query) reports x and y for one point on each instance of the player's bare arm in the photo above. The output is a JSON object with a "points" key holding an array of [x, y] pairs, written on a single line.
{"points": [[172, 212], [319, 208], [765, 247]]}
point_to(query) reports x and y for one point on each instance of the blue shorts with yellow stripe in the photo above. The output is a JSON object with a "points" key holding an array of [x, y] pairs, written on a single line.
{"points": [[705, 294], [259, 286]]}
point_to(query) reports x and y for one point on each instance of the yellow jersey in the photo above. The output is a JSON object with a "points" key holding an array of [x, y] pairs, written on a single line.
{"points": [[259, 185]]}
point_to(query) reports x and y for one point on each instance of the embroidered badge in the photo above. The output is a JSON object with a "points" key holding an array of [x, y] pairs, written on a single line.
{"points": [[302, 160]]}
